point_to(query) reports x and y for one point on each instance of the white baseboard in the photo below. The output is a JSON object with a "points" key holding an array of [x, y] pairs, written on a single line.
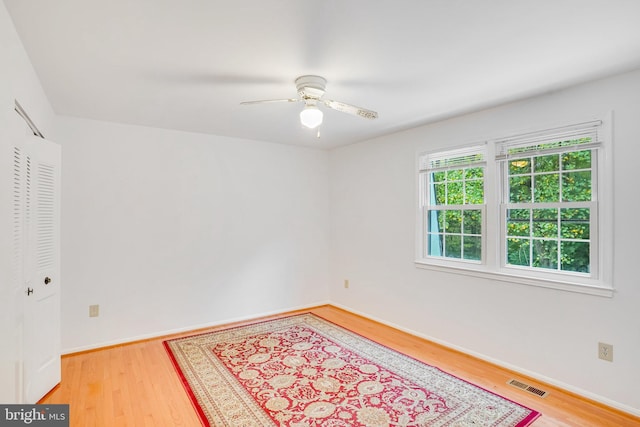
{"points": [[528, 373], [128, 340]]}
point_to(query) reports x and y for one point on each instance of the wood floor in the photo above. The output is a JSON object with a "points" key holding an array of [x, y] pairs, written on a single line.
{"points": [[136, 384]]}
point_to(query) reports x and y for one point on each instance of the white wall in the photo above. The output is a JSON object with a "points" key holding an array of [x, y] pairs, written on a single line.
{"points": [[17, 81], [169, 230], [551, 334]]}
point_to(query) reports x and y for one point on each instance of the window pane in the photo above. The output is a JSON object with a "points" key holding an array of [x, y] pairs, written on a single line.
{"points": [[548, 163], [452, 246], [546, 188], [439, 194], [474, 173], [434, 243], [545, 254], [576, 186], [453, 222], [576, 160], [438, 176], [472, 220], [455, 196], [520, 214], [519, 166], [575, 213], [545, 223], [574, 223], [518, 222], [472, 248], [435, 221], [575, 256], [518, 252], [455, 175], [520, 189], [474, 192]]}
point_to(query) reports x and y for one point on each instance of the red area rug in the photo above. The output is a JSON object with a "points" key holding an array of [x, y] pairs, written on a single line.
{"points": [[302, 371]]}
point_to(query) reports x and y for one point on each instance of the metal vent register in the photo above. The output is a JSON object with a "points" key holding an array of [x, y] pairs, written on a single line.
{"points": [[528, 388]]}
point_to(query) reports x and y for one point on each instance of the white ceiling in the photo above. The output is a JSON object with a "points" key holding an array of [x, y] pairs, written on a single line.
{"points": [[187, 64]]}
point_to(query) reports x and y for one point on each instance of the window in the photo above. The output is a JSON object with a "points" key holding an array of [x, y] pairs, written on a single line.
{"points": [[548, 200], [454, 204], [534, 215]]}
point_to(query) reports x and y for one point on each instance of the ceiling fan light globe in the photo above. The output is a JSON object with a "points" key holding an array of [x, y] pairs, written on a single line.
{"points": [[311, 117]]}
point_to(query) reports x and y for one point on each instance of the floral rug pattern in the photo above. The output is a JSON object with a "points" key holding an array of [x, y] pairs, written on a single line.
{"points": [[302, 371]]}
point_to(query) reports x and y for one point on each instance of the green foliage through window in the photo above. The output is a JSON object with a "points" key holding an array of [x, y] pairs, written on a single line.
{"points": [[556, 236], [454, 223]]}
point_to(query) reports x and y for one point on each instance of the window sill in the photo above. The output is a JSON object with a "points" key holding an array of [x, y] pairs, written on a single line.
{"points": [[477, 271]]}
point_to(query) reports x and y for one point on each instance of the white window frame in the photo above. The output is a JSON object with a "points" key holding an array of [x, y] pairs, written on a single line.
{"points": [[464, 157], [493, 265]]}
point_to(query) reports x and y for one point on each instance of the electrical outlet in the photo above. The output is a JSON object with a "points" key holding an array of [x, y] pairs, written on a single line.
{"points": [[346, 283], [605, 351], [94, 310]]}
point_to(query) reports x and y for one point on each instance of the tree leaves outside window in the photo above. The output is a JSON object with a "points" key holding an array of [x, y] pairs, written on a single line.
{"points": [[456, 231], [556, 236]]}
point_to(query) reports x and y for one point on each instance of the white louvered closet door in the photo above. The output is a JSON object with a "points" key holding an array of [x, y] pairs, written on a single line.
{"points": [[37, 230]]}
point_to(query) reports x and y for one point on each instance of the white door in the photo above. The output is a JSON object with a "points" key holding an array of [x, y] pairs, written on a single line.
{"points": [[41, 274]]}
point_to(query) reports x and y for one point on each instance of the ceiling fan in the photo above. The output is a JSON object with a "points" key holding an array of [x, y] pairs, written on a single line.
{"points": [[310, 91]]}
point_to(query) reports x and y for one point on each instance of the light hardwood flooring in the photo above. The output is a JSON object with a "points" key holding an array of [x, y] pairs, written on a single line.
{"points": [[136, 385]]}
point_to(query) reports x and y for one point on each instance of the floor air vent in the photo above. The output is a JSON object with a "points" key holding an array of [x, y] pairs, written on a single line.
{"points": [[528, 388]]}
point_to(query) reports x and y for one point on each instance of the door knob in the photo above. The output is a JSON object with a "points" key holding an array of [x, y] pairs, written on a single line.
{"points": [[29, 291], [47, 280]]}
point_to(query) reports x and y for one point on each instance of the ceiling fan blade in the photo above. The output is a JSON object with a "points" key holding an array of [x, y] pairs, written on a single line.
{"points": [[269, 101], [350, 109]]}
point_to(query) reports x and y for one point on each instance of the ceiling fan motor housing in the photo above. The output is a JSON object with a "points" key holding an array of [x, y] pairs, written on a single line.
{"points": [[311, 87]]}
